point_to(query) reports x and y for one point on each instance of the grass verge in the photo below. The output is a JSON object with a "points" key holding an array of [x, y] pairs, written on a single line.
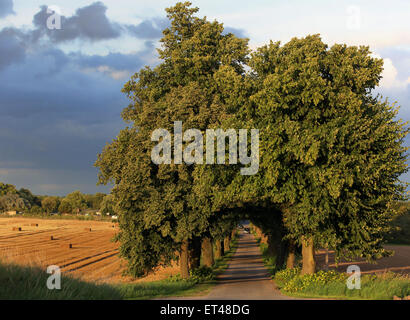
{"points": [[332, 284]]}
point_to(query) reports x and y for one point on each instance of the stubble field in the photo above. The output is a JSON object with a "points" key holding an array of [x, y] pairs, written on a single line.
{"points": [[93, 255]]}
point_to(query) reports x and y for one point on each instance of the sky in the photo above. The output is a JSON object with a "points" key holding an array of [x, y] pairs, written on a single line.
{"points": [[60, 90]]}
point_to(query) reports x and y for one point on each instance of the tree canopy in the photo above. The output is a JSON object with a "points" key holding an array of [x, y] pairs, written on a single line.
{"points": [[330, 152]]}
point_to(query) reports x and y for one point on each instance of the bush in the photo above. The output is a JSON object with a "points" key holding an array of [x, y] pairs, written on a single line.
{"points": [[311, 281], [333, 284], [284, 276], [197, 275], [202, 274]]}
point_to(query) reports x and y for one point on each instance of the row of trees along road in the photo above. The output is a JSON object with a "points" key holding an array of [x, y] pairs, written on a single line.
{"points": [[330, 152]]}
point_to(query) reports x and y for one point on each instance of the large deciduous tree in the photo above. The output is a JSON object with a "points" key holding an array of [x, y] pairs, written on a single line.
{"points": [[157, 209], [332, 152], [50, 204]]}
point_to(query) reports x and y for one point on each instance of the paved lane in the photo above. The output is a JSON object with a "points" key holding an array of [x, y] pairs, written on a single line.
{"points": [[246, 277]]}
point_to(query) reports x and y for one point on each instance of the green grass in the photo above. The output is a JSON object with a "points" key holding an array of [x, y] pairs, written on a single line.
{"points": [[332, 284], [222, 263], [29, 283], [269, 261]]}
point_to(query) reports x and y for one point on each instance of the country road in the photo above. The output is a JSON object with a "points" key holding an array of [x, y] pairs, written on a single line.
{"points": [[246, 277]]}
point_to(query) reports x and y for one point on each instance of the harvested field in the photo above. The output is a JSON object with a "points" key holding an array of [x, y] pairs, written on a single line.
{"points": [[44, 242]]}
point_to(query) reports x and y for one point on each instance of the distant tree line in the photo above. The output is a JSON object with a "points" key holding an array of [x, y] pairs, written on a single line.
{"points": [[76, 202]]}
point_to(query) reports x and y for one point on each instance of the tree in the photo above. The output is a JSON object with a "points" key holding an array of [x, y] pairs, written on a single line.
{"points": [[94, 200], [36, 209], [108, 205], [32, 199], [65, 206], [76, 201], [332, 153], [50, 204], [12, 201], [7, 189], [157, 208]]}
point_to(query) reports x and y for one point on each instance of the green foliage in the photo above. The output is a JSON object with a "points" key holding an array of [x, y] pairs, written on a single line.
{"points": [[77, 201], [158, 205], [50, 204], [24, 283], [7, 189], [400, 233], [23, 200], [108, 205], [300, 283], [196, 276], [36, 210], [32, 199], [331, 153], [284, 276], [202, 274], [94, 200], [65, 206], [29, 283], [12, 201], [333, 284]]}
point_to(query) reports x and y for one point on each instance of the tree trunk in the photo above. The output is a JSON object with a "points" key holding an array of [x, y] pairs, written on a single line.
{"points": [[194, 253], [326, 258], [207, 252], [227, 244], [183, 260], [308, 257], [218, 249], [290, 261], [233, 233]]}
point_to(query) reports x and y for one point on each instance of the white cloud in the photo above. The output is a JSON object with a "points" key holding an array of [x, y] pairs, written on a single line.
{"points": [[111, 72], [390, 79]]}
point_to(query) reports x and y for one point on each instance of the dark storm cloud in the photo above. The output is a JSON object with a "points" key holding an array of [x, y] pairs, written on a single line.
{"points": [[131, 62], [50, 83], [56, 116], [57, 123], [6, 8], [88, 22], [148, 29], [12, 48], [57, 109], [91, 23]]}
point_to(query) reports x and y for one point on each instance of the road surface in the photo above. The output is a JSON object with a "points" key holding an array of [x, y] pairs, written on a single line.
{"points": [[246, 277]]}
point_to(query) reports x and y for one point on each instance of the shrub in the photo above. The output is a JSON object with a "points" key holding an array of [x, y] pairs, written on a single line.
{"points": [[333, 284], [310, 281], [202, 274], [284, 276]]}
